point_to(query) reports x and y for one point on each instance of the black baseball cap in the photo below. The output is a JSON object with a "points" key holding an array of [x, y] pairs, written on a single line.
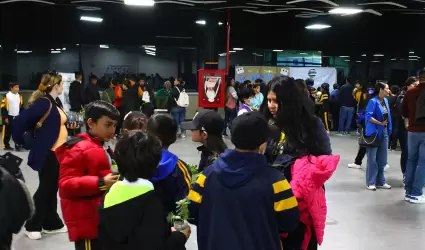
{"points": [[206, 120], [250, 130]]}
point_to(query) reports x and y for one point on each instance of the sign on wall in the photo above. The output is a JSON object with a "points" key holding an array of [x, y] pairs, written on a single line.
{"points": [[252, 73], [67, 79], [211, 88], [318, 74]]}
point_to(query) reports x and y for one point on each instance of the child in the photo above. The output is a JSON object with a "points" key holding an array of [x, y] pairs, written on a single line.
{"points": [[173, 177], [85, 174], [325, 107], [11, 106], [239, 202], [132, 214], [245, 95], [258, 97], [207, 127], [108, 94], [135, 120]]}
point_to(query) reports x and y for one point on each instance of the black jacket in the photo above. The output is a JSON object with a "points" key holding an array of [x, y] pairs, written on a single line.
{"points": [[76, 96], [207, 157], [137, 223], [345, 95], [175, 94], [91, 93], [131, 100]]}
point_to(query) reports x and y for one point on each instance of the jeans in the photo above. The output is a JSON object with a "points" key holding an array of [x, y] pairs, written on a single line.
{"points": [[179, 114], [345, 118], [376, 161], [229, 115], [415, 169]]}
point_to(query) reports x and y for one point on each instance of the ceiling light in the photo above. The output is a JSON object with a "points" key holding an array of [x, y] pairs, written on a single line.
{"points": [[201, 22], [237, 48], [150, 48], [256, 54], [139, 2], [52, 49], [345, 11], [23, 51], [63, 48], [55, 52], [393, 59], [103, 46], [58, 49], [378, 55], [91, 19], [232, 51], [278, 50], [344, 56], [220, 23], [317, 26], [78, 44], [347, 60], [413, 56], [375, 61], [364, 55], [413, 59], [222, 54], [303, 53], [411, 52], [358, 61]]}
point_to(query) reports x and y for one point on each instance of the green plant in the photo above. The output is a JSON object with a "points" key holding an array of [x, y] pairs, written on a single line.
{"points": [[195, 172]]}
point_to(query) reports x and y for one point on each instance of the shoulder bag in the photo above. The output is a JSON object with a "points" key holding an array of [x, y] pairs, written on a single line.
{"points": [[368, 141], [29, 135]]}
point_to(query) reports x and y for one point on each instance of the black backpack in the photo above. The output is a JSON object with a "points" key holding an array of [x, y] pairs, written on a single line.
{"points": [[420, 108]]}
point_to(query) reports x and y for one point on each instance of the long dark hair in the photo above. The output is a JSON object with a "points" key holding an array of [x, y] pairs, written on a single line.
{"points": [[215, 143], [295, 115], [378, 87]]}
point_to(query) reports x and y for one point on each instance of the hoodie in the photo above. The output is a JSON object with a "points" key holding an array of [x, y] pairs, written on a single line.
{"points": [[132, 217], [172, 180], [239, 202]]}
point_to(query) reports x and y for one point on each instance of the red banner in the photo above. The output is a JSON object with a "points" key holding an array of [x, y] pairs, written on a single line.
{"points": [[211, 88]]}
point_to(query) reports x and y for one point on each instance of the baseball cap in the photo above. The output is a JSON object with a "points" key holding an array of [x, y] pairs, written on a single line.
{"points": [[250, 130], [206, 120]]}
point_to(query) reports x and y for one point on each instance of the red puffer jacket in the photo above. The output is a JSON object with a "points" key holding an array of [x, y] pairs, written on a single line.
{"points": [[83, 161]]}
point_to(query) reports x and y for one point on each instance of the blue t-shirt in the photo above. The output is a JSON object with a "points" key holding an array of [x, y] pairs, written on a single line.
{"points": [[256, 101]]}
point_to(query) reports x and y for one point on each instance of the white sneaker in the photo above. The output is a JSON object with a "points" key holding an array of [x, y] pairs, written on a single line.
{"points": [[407, 197], [354, 165], [183, 136], [371, 187], [57, 231], [33, 235], [417, 199], [385, 186], [386, 167]]}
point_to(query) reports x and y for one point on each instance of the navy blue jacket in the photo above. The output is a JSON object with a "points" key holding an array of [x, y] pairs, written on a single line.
{"points": [[345, 95], [46, 136], [239, 202]]}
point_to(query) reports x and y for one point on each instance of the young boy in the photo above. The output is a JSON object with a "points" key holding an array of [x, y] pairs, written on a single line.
{"points": [[173, 177], [132, 214], [85, 174], [245, 96], [325, 107], [239, 202], [11, 106]]}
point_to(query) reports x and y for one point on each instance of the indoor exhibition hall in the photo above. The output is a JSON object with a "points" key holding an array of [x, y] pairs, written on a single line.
{"points": [[212, 124]]}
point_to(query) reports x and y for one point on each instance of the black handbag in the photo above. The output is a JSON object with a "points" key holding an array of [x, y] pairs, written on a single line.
{"points": [[368, 141], [29, 135]]}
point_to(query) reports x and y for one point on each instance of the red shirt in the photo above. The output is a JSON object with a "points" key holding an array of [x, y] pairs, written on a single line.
{"points": [[409, 107]]}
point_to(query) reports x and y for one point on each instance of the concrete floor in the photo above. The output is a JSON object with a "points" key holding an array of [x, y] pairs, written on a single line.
{"points": [[357, 218]]}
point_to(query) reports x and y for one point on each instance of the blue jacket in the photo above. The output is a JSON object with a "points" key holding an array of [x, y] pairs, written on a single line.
{"points": [[46, 136], [239, 202], [374, 109]]}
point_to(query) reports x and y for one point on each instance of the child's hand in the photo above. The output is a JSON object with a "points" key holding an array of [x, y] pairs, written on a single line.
{"points": [[186, 232], [110, 179]]}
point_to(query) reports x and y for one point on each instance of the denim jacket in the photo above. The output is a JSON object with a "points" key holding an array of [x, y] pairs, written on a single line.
{"points": [[374, 109]]}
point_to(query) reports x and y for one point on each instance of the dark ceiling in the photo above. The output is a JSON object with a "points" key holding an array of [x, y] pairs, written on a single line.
{"points": [[387, 27]]}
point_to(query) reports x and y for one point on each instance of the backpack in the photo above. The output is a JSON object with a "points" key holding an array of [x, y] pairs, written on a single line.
{"points": [[420, 108], [183, 100]]}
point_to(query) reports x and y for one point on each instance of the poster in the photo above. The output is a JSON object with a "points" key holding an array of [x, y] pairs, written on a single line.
{"points": [[252, 73], [211, 88], [67, 79], [318, 74]]}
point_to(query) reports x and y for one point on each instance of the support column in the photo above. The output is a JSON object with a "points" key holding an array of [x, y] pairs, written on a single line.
{"points": [[210, 54]]}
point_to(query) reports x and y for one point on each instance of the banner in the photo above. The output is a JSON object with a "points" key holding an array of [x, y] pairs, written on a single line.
{"points": [[318, 74], [211, 88], [252, 73], [67, 79]]}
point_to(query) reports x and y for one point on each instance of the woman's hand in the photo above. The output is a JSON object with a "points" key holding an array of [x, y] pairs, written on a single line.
{"points": [[186, 232], [72, 125]]}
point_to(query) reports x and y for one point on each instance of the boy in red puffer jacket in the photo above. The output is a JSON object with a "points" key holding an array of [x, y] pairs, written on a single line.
{"points": [[85, 174]]}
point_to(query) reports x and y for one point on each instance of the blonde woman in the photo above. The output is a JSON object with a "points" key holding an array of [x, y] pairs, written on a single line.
{"points": [[48, 137]]}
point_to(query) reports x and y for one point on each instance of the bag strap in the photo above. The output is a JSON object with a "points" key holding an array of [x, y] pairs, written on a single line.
{"points": [[43, 119], [178, 89]]}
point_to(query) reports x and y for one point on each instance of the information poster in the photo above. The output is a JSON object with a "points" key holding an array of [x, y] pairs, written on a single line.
{"points": [[67, 78], [211, 88], [318, 74], [252, 73]]}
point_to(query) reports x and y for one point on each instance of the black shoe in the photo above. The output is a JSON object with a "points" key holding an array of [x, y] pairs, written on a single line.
{"points": [[18, 148], [8, 148]]}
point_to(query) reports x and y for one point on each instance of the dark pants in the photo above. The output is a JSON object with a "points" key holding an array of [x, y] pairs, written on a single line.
{"points": [[7, 131], [395, 135], [87, 245], [402, 131], [360, 155], [229, 115], [45, 198], [335, 116], [324, 115], [5, 241], [119, 124]]}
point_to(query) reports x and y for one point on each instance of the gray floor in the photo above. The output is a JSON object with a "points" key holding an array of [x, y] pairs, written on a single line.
{"points": [[357, 218]]}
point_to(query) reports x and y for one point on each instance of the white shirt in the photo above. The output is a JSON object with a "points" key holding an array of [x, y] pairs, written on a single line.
{"points": [[14, 103]]}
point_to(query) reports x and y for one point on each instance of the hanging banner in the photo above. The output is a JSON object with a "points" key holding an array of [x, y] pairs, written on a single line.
{"points": [[211, 88], [67, 79], [252, 73], [318, 74]]}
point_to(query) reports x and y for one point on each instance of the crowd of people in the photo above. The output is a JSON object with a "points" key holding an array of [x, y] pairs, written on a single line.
{"points": [[266, 193]]}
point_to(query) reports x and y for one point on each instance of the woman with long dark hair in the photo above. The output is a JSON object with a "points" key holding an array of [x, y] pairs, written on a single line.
{"points": [[378, 123], [230, 111], [304, 150]]}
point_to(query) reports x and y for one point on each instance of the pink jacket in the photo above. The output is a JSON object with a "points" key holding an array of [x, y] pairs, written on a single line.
{"points": [[309, 174]]}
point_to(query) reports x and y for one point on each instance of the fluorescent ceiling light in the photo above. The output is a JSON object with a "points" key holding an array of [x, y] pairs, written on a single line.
{"points": [[364, 55], [347, 60], [58, 49], [220, 23], [393, 59], [150, 48], [358, 61], [345, 11], [139, 2], [278, 50], [63, 48], [201, 22], [303, 53], [91, 19], [23, 51], [232, 51], [222, 54], [413, 56], [237, 48], [317, 26], [344, 56], [256, 54], [103, 46], [78, 44], [378, 55], [375, 61], [55, 52], [411, 52]]}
